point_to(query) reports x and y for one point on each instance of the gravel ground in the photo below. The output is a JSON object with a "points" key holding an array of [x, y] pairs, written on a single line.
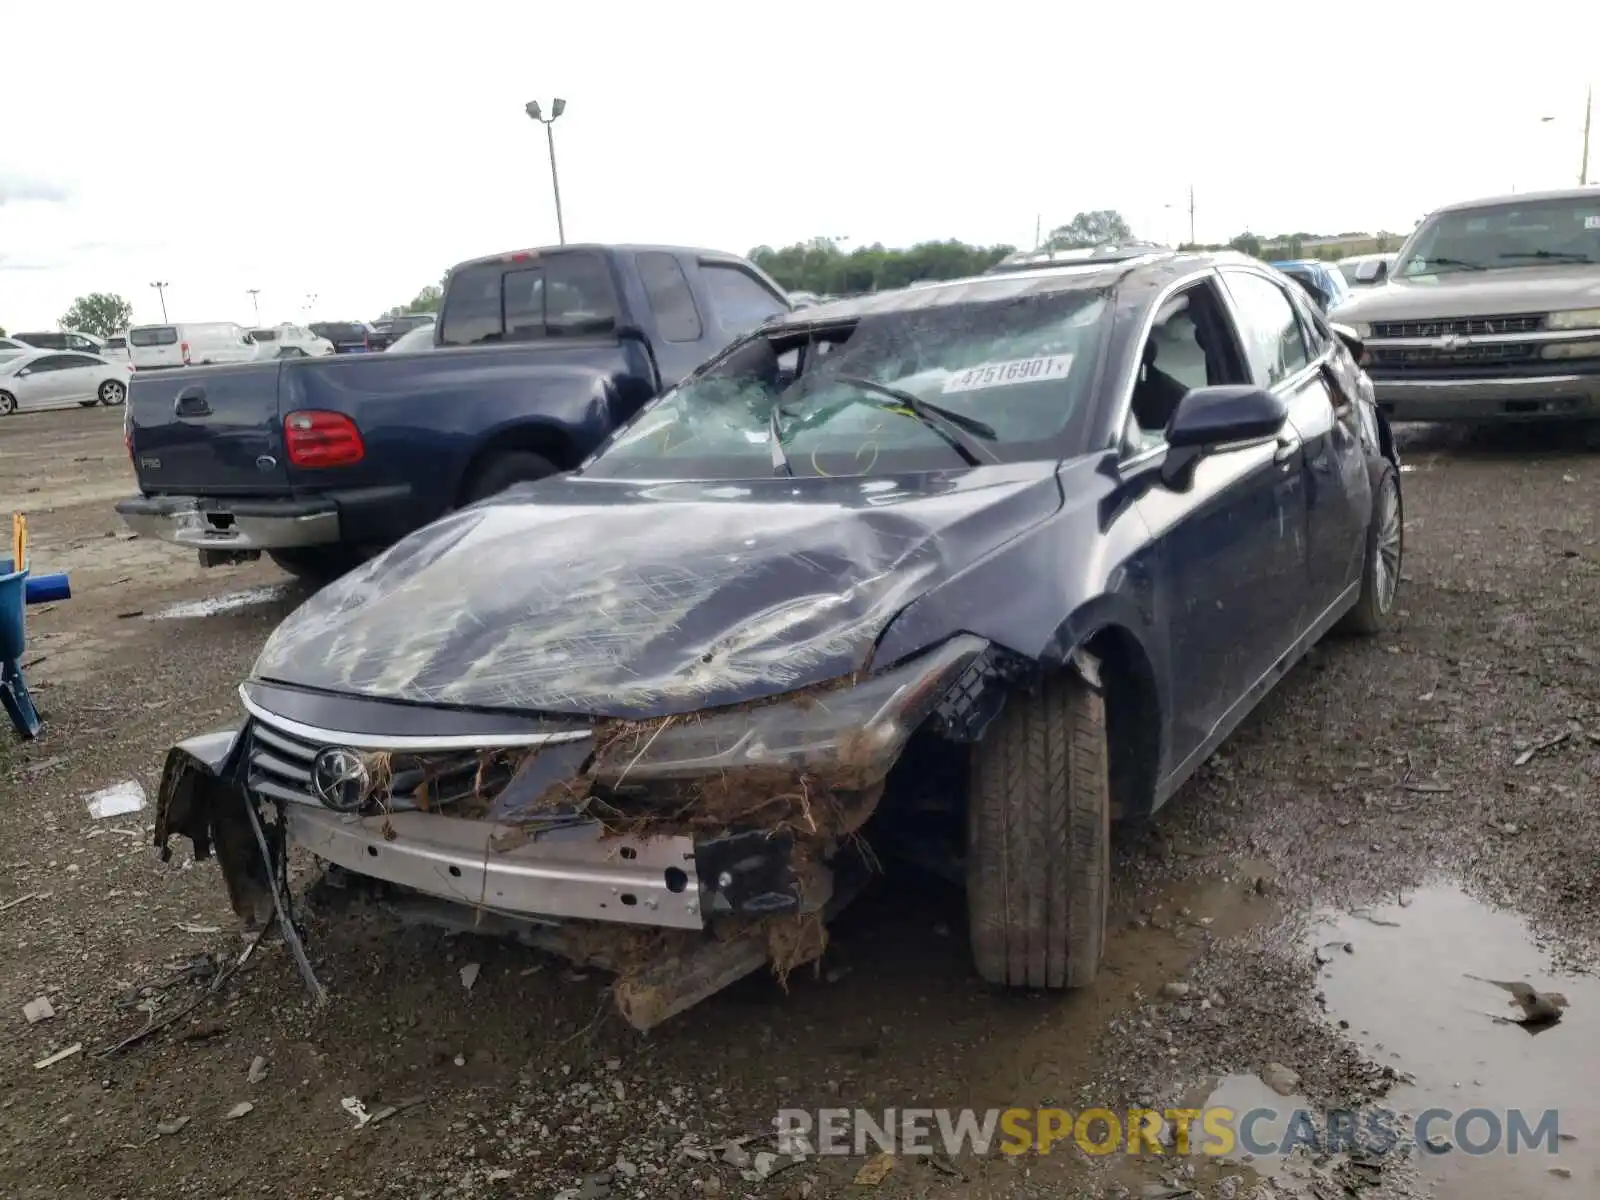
{"points": [[1400, 798]]}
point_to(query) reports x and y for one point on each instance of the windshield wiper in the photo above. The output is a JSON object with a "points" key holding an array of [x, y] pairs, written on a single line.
{"points": [[956, 429], [1452, 262], [1562, 255], [780, 457]]}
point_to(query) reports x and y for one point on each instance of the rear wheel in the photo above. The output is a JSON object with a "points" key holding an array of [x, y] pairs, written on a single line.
{"points": [[506, 470], [317, 565], [1039, 840], [8, 404], [1380, 574], [113, 393]]}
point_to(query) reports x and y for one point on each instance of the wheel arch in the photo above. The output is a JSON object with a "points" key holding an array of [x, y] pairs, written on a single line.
{"points": [[533, 438]]}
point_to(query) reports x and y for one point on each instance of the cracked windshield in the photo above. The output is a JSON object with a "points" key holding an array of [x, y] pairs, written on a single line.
{"points": [[716, 601], [944, 384]]}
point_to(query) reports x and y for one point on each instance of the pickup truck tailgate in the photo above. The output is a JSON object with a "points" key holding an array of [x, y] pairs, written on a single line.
{"points": [[209, 429]]}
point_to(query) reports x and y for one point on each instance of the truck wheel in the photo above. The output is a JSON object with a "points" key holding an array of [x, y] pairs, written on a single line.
{"points": [[504, 470], [1380, 571], [316, 565], [1039, 840]]}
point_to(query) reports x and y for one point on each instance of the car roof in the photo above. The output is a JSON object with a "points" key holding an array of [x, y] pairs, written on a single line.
{"points": [[1154, 268], [1588, 192]]}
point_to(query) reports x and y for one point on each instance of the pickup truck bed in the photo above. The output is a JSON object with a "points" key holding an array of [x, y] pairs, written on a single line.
{"points": [[320, 462]]}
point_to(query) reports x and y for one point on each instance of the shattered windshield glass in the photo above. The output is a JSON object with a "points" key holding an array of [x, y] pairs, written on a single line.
{"points": [[1012, 373]]}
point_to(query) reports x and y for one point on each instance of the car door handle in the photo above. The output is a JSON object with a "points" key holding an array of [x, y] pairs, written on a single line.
{"points": [[1288, 446], [191, 402]]}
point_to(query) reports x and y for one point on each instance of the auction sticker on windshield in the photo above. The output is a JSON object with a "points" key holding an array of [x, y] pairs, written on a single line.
{"points": [[1003, 374]]}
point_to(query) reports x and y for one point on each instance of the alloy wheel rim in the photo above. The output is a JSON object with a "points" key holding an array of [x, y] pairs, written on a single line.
{"points": [[1387, 552]]}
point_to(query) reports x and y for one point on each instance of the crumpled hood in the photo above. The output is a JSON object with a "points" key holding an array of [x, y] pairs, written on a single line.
{"points": [[636, 599], [1475, 294]]}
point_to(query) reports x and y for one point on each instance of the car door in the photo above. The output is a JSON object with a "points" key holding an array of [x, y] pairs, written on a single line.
{"points": [[1269, 320], [80, 377], [1229, 579], [41, 384], [1339, 484]]}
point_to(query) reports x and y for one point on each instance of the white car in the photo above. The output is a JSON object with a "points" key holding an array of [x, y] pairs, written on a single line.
{"points": [[290, 341], [198, 344], [412, 340], [56, 379], [116, 348]]}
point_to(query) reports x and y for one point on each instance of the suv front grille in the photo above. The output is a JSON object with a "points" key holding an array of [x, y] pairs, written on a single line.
{"points": [[279, 768], [1428, 358], [1460, 326]]}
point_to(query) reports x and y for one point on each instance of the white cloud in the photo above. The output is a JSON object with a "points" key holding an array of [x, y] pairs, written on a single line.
{"points": [[355, 153]]}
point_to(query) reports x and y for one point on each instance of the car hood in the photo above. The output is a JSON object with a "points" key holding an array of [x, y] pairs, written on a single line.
{"points": [[637, 599], [1476, 294]]}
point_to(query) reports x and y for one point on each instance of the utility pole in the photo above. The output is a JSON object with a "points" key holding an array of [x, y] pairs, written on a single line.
{"points": [[161, 287], [557, 107], [1038, 230], [1191, 215], [254, 293], [1588, 121]]}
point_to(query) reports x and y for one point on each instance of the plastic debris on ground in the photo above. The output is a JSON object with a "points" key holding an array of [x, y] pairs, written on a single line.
{"points": [[58, 1056], [38, 1010], [117, 800]]}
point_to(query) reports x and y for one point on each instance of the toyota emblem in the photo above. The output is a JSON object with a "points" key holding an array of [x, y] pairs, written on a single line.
{"points": [[340, 779]]}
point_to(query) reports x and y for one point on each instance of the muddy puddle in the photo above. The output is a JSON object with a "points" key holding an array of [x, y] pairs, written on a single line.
{"points": [[212, 606], [1414, 991]]}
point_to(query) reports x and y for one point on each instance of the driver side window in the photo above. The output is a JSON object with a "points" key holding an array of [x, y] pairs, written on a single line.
{"points": [[1191, 345]]}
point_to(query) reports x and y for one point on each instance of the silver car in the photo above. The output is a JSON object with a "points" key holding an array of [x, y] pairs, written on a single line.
{"points": [[57, 379]]}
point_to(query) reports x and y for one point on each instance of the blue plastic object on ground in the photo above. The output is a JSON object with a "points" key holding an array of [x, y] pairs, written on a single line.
{"points": [[13, 638], [46, 589]]}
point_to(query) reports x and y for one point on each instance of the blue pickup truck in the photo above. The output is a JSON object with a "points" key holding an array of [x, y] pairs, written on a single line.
{"points": [[538, 355]]}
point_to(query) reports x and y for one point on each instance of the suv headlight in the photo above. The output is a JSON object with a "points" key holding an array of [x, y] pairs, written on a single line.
{"points": [[1576, 318], [859, 728]]}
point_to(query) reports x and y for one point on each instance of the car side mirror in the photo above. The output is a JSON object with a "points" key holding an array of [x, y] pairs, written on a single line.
{"points": [[1352, 341], [1213, 420], [1372, 272]]}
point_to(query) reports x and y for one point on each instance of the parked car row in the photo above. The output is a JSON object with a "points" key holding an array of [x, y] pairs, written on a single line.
{"points": [[685, 588]]}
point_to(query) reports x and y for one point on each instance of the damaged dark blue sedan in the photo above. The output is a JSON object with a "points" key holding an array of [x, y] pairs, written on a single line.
{"points": [[972, 568]]}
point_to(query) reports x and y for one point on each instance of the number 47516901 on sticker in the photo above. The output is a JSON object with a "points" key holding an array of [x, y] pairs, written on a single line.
{"points": [[1003, 374]]}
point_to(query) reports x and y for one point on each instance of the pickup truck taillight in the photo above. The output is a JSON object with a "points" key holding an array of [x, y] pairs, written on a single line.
{"points": [[315, 439], [184, 346]]}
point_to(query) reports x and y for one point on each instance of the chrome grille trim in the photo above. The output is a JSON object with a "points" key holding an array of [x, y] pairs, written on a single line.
{"points": [[1434, 327], [421, 744]]}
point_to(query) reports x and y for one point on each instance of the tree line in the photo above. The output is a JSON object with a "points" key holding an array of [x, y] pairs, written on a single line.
{"points": [[824, 267]]}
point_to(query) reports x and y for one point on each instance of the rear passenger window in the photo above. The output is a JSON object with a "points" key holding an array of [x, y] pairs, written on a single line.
{"points": [[472, 309], [739, 301], [1268, 327], [670, 297]]}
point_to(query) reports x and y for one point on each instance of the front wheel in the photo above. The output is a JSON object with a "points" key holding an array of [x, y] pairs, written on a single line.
{"points": [[113, 393], [1380, 573], [8, 404], [1039, 839]]}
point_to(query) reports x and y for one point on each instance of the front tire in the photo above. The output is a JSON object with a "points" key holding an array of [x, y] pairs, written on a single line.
{"points": [[8, 404], [1380, 572], [113, 393], [1039, 840]]}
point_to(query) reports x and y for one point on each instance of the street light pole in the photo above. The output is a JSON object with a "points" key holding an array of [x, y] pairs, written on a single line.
{"points": [[1588, 121], [254, 293], [557, 107], [161, 287]]}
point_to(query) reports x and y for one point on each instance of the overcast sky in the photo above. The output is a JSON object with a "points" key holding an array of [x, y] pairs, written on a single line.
{"points": [[355, 151]]}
